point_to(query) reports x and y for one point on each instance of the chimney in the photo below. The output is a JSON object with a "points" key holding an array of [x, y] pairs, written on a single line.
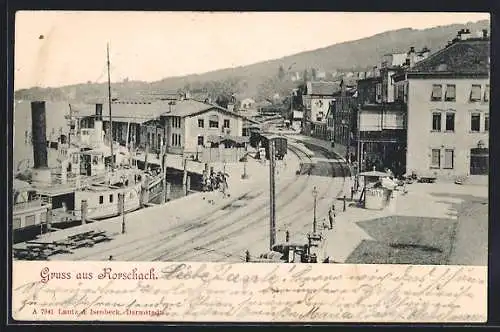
{"points": [[342, 87], [463, 34], [485, 33], [424, 53], [41, 172], [411, 57], [98, 112]]}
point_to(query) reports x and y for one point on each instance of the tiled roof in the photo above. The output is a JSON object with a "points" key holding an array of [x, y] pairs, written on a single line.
{"points": [[140, 112], [322, 88], [191, 107], [462, 57]]}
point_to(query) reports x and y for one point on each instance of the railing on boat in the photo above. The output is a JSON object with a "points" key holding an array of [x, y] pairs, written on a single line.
{"points": [[28, 205]]}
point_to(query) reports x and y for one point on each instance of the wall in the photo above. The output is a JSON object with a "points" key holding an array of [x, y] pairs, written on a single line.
{"points": [[421, 139], [320, 104], [192, 131], [374, 120], [170, 129]]}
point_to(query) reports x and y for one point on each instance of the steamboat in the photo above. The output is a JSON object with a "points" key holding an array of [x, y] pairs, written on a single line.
{"points": [[91, 173]]}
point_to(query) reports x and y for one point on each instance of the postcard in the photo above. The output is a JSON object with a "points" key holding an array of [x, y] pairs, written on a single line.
{"points": [[250, 167]]}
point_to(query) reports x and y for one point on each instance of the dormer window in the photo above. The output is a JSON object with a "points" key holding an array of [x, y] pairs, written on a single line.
{"points": [[475, 94], [437, 92]]}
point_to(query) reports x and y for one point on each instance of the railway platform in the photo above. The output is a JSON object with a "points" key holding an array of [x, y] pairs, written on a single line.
{"points": [[186, 212]]}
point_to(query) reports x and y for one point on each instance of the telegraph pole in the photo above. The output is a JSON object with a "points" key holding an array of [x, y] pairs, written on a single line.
{"points": [[272, 205], [110, 116]]}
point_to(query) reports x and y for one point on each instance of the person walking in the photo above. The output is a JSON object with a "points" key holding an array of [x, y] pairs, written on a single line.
{"points": [[331, 217]]}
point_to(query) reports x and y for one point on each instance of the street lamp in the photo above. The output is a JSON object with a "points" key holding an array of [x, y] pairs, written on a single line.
{"points": [[315, 195]]}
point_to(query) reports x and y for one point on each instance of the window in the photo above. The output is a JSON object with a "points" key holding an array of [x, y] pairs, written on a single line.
{"points": [[475, 119], [111, 198], [101, 199], [213, 122], [378, 91], [30, 220], [16, 223], [176, 122], [450, 122], [450, 92], [200, 140], [487, 93], [437, 92], [486, 122], [475, 94], [201, 123], [436, 121], [448, 158], [226, 123], [435, 158]]}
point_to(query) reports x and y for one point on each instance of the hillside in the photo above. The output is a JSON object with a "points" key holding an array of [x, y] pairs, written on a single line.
{"points": [[261, 80]]}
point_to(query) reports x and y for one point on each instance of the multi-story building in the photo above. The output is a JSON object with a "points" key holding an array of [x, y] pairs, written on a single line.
{"points": [[317, 99], [192, 124], [343, 123], [447, 100], [181, 126], [382, 115]]}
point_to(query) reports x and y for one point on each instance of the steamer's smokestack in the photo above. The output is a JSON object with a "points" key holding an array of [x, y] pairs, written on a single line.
{"points": [[98, 125], [41, 171], [98, 112]]}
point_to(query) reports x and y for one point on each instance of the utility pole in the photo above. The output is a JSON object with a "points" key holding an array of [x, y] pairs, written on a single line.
{"points": [[164, 169], [121, 209], [71, 125], [110, 115], [272, 205]]}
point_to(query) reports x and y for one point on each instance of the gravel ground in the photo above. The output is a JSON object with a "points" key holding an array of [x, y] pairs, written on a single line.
{"points": [[471, 246], [405, 240]]}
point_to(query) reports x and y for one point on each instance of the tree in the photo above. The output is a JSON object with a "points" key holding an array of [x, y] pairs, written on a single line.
{"points": [[281, 73], [314, 73], [305, 76], [222, 101]]}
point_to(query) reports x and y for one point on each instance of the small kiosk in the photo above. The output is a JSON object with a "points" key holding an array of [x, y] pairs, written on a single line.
{"points": [[376, 190]]}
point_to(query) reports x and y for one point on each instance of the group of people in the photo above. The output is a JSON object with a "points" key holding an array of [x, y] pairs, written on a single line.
{"points": [[215, 181]]}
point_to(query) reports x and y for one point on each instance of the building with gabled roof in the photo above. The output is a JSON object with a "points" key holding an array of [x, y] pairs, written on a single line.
{"points": [[317, 99], [180, 125], [447, 99]]}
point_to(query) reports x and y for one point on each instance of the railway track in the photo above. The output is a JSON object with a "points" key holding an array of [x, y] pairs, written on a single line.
{"points": [[139, 252], [233, 225], [185, 254]]}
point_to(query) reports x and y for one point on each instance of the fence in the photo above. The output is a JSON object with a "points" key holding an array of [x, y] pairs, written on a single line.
{"points": [[229, 155]]}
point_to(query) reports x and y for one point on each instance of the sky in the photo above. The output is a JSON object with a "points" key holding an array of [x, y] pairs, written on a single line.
{"points": [[149, 46]]}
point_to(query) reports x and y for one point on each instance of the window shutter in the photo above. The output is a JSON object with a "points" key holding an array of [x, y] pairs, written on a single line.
{"points": [[475, 93], [437, 92]]}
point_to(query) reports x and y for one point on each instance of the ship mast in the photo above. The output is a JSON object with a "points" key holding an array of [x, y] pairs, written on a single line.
{"points": [[110, 116]]}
